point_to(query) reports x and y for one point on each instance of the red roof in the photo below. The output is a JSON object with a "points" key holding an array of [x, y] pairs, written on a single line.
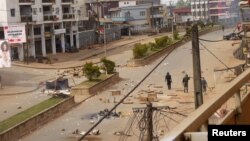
{"points": [[182, 10]]}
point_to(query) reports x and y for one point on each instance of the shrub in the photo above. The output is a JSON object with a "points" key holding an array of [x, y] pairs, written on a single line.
{"points": [[163, 41], [139, 50], [108, 65], [91, 71], [152, 46], [176, 35], [188, 30], [201, 24]]}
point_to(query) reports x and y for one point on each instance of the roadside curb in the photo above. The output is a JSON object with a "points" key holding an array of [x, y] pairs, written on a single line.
{"points": [[83, 59]]}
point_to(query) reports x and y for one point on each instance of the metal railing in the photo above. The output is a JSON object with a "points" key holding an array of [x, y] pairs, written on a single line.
{"points": [[48, 1], [26, 1], [26, 18], [68, 16], [67, 1], [201, 115]]}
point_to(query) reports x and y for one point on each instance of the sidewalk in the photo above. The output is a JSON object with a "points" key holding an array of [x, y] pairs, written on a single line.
{"points": [[71, 60]]}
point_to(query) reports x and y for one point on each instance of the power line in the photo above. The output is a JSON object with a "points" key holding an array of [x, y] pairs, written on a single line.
{"points": [[127, 95], [215, 57], [210, 40]]}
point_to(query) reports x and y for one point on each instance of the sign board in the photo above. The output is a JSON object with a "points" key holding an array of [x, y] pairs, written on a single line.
{"points": [[15, 34], [59, 31], [5, 60]]}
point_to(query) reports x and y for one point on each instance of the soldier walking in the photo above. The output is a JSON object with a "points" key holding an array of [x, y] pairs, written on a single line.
{"points": [[185, 83], [168, 78]]}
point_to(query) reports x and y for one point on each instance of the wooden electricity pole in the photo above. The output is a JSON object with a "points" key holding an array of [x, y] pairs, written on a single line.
{"points": [[150, 121], [198, 98], [27, 41]]}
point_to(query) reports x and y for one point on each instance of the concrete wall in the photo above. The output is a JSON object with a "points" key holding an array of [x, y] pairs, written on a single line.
{"points": [[82, 93], [37, 121], [87, 38], [113, 33], [153, 57]]}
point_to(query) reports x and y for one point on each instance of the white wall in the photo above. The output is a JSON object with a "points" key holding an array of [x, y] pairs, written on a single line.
{"points": [[80, 5], [126, 3], [39, 14], [3, 13]]}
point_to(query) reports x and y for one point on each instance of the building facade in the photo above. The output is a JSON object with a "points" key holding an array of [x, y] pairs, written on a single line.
{"points": [[226, 11], [216, 11], [200, 9], [139, 17], [182, 15], [51, 25]]}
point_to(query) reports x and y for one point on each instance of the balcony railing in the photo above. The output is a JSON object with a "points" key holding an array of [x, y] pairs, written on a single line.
{"points": [[49, 17], [48, 1], [121, 19], [26, 1], [68, 16], [67, 1], [25, 18], [238, 113]]}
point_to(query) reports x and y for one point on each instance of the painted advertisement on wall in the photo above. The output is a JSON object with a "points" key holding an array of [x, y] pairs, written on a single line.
{"points": [[5, 59], [15, 34]]}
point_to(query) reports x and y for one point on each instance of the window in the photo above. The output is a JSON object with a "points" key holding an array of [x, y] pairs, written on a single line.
{"points": [[124, 2], [37, 31], [57, 11], [12, 12], [194, 14], [34, 11], [79, 12], [142, 13]]}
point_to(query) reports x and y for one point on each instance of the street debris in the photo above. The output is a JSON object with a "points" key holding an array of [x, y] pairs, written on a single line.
{"points": [[120, 133], [128, 101]]}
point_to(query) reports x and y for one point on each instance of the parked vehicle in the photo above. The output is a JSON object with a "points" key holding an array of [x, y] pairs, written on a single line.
{"points": [[232, 36]]}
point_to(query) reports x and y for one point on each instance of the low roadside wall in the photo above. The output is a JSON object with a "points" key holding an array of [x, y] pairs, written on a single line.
{"points": [[147, 60], [37, 121], [81, 93]]}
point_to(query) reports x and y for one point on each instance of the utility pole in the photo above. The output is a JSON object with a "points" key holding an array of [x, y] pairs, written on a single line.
{"points": [[152, 14], [198, 97], [28, 40], [104, 32], [150, 121], [172, 17], [205, 11], [196, 67], [98, 22]]}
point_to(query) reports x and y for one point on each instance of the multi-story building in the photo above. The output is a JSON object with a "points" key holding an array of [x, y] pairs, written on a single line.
{"points": [[182, 15], [52, 25], [200, 9], [217, 11], [139, 15]]}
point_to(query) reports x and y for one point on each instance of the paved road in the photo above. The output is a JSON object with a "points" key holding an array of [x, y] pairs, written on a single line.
{"points": [[177, 63], [20, 83]]}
